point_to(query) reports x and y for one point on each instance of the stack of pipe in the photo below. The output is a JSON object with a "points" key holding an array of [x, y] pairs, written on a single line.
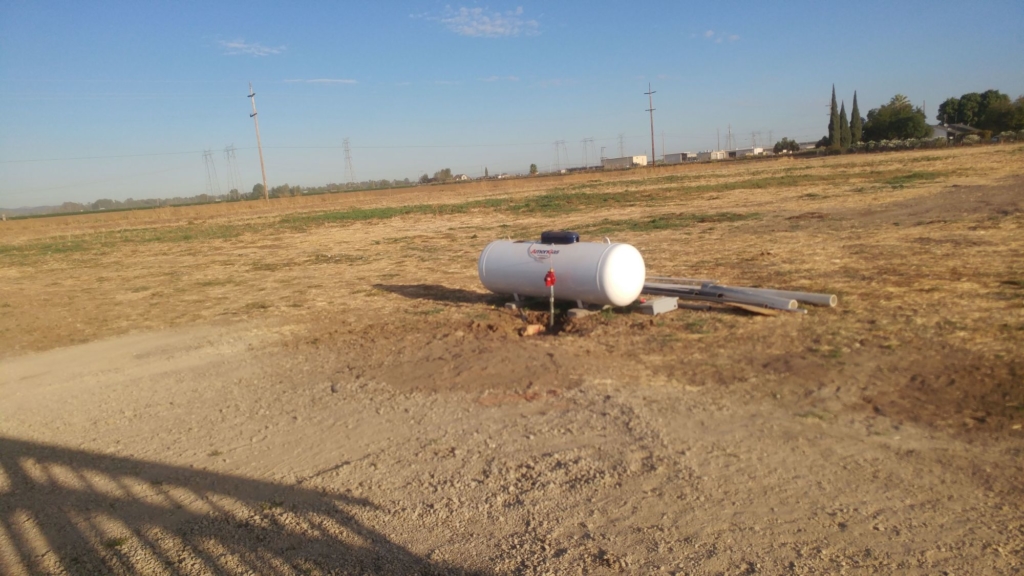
{"points": [[711, 291]]}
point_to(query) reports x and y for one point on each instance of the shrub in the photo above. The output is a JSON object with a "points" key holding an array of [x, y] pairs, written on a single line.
{"points": [[1007, 136], [971, 140]]}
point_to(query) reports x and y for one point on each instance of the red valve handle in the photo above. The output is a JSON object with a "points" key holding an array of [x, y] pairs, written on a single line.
{"points": [[549, 278]]}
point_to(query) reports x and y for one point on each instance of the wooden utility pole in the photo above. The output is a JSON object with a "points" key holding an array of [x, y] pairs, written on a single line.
{"points": [[650, 102], [259, 146]]}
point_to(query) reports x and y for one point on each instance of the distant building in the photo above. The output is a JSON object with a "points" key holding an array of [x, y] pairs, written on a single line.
{"points": [[624, 162], [710, 155], [743, 152], [460, 177], [954, 132], [680, 158]]}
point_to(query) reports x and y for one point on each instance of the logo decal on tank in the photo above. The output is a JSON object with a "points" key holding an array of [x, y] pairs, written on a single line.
{"points": [[542, 253]]}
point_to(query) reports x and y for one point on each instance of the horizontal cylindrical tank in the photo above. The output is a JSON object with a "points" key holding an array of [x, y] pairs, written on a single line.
{"points": [[587, 271]]}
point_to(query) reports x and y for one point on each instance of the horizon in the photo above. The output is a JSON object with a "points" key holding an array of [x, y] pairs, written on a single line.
{"points": [[121, 101]]}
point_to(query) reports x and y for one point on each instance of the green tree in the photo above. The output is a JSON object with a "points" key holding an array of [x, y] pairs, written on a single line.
{"points": [[990, 98], [486, 174], [833, 123], [897, 120], [786, 145], [970, 105], [856, 122], [844, 129], [443, 175], [1003, 115], [424, 179], [533, 169], [949, 111], [257, 192]]}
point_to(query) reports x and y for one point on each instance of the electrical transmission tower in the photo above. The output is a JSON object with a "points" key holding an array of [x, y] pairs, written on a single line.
{"points": [[350, 173], [234, 177], [586, 144], [256, 121], [729, 145], [622, 147], [561, 150], [212, 182], [650, 102]]}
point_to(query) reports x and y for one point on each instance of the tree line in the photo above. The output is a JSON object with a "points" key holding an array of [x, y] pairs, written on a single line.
{"points": [[990, 112]]}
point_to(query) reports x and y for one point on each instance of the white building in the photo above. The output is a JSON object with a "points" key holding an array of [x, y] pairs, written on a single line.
{"points": [[709, 155], [740, 153], [680, 158], [460, 177], [624, 162]]}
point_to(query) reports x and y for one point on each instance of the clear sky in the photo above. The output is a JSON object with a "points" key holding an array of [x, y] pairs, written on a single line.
{"points": [[119, 99]]}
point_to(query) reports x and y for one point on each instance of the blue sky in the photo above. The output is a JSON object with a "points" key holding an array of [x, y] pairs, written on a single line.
{"points": [[119, 99]]}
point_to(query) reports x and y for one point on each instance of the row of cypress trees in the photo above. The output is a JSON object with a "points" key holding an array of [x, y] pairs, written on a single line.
{"points": [[843, 133]]}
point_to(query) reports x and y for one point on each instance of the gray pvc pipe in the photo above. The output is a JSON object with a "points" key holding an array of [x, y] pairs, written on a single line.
{"points": [[812, 298], [726, 295]]}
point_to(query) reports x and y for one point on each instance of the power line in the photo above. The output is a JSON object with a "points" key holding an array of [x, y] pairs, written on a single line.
{"points": [[620, 138]]}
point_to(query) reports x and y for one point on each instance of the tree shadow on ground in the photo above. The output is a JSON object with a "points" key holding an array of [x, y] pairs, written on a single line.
{"points": [[439, 293], [76, 512]]}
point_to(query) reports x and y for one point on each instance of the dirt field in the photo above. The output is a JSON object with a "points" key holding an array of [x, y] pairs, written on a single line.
{"points": [[321, 385]]}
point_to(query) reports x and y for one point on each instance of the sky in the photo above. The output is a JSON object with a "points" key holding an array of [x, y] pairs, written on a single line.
{"points": [[120, 99]]}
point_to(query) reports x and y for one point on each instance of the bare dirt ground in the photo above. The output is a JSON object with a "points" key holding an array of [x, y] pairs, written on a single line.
{"points": [[277, 389]]}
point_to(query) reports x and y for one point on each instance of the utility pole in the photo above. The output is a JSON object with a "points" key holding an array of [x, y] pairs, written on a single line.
{"points": [[718, 131], [650, 102], [662, 145], [622, 148], [259, 146]]}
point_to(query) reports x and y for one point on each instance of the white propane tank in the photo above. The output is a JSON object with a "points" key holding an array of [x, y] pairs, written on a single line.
{"points": [[587, 271]]}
